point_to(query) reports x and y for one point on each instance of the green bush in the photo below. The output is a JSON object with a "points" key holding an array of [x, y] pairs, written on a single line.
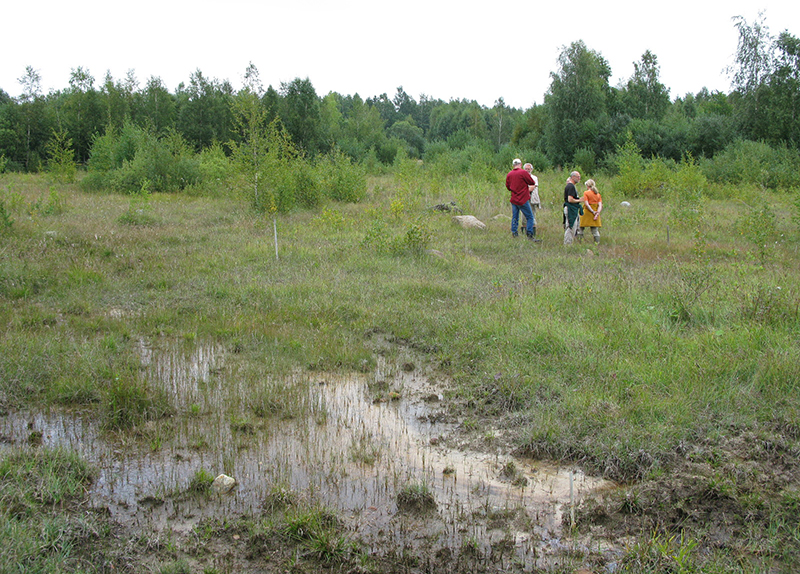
{"points": [[656, 177], [630, 165], [388, 150], [214, 165], [653, 178], [61, 158], [415, 240], [475, 159], [124, 161], [507, 153], [434, 150], [111, 150], [585, 160], [688, 177], [755, 163], [282, 183], [539, 161], [341, 179]]}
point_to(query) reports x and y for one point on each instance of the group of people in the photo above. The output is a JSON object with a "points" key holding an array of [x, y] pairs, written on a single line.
{"points": [[580, 212]]}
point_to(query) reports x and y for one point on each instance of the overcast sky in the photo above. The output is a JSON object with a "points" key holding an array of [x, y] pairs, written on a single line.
{"points": [[467, 50]]}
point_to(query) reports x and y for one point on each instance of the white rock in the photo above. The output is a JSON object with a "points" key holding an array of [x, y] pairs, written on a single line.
{"points": [[469, 222], [625, 204], [222, 484]]}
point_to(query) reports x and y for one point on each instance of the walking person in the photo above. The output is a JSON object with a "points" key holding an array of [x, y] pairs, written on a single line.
{"points": [[519, 182], [536, 202], [572, 208], [592, 206]]}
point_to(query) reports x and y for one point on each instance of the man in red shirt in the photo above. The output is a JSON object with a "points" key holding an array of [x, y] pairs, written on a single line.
{"points": [[519, 182]]}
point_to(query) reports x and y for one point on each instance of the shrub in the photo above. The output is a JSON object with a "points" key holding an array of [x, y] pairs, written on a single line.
{"points": [[687, 186], [507, 153], [306, 185], [61, 162], [760, 228], [214, 164], [108, 153], [124, 162], [414, 241], [281, 193], [539, 161], [167, 163], [655, 177], [475, 159], [585, 160], [434, 150], [629, 163], [388, 150], [688, 178], [756, 163], [341, 179]]}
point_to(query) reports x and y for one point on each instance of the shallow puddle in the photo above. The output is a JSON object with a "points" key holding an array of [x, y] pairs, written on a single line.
{"points": [[357, 441]]}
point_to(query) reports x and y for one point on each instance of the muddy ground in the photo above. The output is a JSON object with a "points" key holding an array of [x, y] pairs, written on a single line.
{"points": [[380, 472]]}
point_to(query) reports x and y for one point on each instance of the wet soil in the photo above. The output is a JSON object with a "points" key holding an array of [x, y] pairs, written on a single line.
{"points": [[391, 460], [352, 443]]}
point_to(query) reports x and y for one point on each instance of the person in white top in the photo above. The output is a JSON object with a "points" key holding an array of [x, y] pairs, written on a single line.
{"points": [[536, 203]]}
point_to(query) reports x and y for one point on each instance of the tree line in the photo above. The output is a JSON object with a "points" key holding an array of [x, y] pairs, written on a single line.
{"points": [[583, 120]]}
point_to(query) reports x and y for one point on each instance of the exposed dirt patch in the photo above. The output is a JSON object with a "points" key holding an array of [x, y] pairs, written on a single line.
{"points": [[740, 496]]}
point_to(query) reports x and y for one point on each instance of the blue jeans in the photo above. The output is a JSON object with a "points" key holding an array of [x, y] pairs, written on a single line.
{"points": [[527, 212]]}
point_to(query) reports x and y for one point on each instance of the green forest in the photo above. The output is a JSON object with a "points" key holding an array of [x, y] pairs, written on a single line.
{"points": [[127, 136]]}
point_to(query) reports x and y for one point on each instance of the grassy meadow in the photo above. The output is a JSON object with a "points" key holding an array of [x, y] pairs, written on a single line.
{"points": [[667, 358]]}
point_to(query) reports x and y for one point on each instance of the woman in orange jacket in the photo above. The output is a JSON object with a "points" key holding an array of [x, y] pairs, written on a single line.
{"points": [[592, 206]]}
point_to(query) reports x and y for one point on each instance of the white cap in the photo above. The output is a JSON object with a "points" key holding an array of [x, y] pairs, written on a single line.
{"points": [[517, 161]]}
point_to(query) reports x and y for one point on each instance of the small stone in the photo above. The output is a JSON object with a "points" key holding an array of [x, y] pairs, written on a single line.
{"points": [[222, 484], [469, 222]]}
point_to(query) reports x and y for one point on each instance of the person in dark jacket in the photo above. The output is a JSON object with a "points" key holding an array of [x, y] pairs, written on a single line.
{"points": [[572, 208]]}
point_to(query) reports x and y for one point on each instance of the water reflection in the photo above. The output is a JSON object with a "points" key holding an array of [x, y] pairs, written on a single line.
{"points": [[350, 452]]}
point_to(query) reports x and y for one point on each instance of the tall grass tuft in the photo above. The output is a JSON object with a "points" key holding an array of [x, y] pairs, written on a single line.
{"points": [[129, 402], [42, 477]]}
